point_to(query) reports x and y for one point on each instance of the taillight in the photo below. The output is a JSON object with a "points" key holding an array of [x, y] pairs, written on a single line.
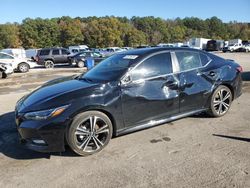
{"points": [[239, 68]]}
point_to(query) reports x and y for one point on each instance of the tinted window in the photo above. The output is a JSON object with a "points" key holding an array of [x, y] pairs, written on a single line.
{"points": [[156, 65], [188, 60], [75, 50], [44, 52], [56, 52], [65, 52], [204, 59]]}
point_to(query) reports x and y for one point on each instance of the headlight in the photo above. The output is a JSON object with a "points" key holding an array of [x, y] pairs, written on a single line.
{"points": [[45, 114]]}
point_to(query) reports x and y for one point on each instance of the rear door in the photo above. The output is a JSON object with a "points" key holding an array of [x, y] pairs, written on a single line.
{"points": [[56, 55], [64, 55], [195, 80], [152, 92]]}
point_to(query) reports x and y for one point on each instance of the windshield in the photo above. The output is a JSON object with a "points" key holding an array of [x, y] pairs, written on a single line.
{"points": [[110, 69]]}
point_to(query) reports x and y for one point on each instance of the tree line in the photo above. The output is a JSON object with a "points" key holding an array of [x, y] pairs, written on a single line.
{"points": [[99, 32]]}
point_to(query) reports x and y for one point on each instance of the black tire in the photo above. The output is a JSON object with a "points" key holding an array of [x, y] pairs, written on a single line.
{"points": [[220, 101], [4, 75], [80, 64], [49, 64], [23, 67], [82, 140]]}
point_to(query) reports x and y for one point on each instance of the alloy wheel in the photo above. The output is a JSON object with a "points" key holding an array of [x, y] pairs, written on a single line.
{"points": [[222, 101], [49, 64], [23, 67], [92, 134]]}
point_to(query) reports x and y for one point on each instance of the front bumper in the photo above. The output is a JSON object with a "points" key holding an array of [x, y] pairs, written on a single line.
{"points": [[49, 133]]}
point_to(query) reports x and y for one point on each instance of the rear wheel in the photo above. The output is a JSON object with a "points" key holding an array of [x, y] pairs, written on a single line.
{"points": [[220, 101], [23, 67], [49, 64], [89, 132]]}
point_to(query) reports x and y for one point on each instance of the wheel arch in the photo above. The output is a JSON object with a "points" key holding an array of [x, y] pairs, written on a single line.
{"points": [[24, 63], [99, 109], [230, 87], [49, 59]]}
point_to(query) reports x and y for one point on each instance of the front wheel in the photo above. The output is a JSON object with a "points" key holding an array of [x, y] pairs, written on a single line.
{"points": [[80, 64], [89, 132], [220, 101], [23, 67]]}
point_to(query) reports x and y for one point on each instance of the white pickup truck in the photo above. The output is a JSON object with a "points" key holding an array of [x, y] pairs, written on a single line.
{"points": [[17, 63], [233, 47]]}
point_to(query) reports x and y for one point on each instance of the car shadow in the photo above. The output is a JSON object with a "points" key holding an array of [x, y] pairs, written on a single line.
{"points": [[245, 76], [233, 137], [10, 146]]}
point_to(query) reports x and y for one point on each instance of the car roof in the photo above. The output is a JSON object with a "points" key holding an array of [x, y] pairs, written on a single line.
{"points": [[151, 50]]}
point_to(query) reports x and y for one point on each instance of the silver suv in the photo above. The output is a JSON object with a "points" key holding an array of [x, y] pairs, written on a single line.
{"points": [[48, 57]]}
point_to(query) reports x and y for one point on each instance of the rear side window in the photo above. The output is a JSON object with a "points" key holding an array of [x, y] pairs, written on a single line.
{"points": [[65, 52], [188, 60], [156, 65], [204, 59], [44, 52], [56, 52]]}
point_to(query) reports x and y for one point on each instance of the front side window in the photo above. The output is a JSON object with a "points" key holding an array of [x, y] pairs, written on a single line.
{"points": [[156, 65], [5, 56], [188, 60], [65, 52]]}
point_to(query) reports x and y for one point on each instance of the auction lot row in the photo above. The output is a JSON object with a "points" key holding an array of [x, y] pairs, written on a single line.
{"points": [[192, 152]]}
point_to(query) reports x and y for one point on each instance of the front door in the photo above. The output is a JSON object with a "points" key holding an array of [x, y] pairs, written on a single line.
{"points": [[153, 93]]}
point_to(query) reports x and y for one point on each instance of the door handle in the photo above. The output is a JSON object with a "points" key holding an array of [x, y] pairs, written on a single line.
{"points": [[171, 84], [212, 74]]}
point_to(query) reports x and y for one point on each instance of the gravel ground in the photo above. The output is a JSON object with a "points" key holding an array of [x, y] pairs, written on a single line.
{"points": [[197, 151]]}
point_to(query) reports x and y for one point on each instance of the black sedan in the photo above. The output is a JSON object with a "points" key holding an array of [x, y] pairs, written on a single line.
{"points": [[127, 92], [80, 58]]}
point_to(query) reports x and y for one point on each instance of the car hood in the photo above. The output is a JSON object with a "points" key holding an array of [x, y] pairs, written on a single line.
{"points": [[55, 93]]}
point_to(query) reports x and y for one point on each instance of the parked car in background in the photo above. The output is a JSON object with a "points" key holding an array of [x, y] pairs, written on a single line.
{"points": [[165, 45], [111, 50], [80, 58], [126, 92], [243, 49], [31, 53], [78, 48], [5, 70], [18, 64], [48, 57], [16, 52], [215, 45], [232, 47]]}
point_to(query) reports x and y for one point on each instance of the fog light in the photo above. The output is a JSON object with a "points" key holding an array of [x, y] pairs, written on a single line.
{"points": [[36, 141]]}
